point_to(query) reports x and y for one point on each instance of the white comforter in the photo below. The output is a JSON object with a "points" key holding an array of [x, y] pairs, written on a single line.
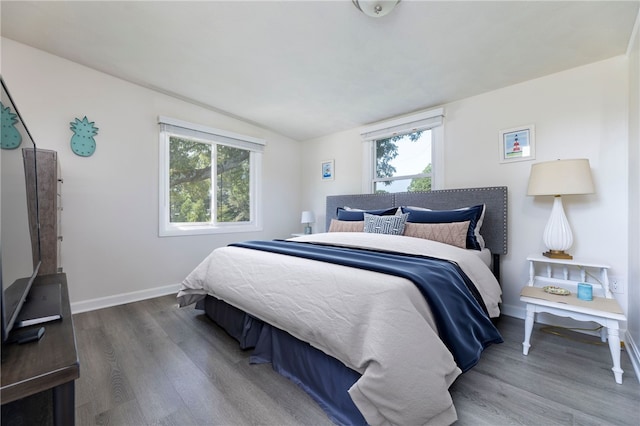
{"points": [[376, 324]]}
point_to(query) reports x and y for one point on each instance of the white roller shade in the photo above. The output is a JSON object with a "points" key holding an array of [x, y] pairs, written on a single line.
{"points": [[403, 125], [198, 131]]}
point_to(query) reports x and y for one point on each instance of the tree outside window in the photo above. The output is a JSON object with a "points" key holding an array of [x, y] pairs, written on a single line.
{"points": [[403, 162], [209, 180], [190, 182]]}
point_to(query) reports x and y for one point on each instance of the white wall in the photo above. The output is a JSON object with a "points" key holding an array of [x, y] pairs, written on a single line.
{"points": [[346, 149], [579, 113], [110, 217], [634, 196]]}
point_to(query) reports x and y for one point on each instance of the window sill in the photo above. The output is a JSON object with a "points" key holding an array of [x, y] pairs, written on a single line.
{"points": [[185, 230]]}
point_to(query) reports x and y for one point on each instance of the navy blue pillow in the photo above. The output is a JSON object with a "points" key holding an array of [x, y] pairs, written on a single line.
{"points": [[474, 215], [358, 215]]}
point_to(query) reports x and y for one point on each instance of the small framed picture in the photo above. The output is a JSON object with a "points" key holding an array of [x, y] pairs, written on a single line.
{"points": [[517, 144], [327, 170]]}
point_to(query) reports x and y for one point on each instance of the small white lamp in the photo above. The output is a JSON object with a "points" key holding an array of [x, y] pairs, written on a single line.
{"points": [[308, 218], [557, 178]]}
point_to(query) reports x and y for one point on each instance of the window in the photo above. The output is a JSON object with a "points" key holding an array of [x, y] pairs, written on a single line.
{"points": [[208, 180], [401, 154], [403, 163]]}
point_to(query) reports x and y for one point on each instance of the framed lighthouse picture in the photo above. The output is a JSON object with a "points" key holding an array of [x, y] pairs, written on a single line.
{"points": [[517, 144]]}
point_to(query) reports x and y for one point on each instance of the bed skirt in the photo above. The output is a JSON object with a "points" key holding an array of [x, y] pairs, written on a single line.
{"points": [[324, 378]]}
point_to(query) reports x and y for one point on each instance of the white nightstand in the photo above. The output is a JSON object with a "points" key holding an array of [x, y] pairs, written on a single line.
{"points": [[603, 309]]}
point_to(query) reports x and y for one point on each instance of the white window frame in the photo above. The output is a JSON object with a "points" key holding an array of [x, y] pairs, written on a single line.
{"points": [[428, 120], [173, 127]]}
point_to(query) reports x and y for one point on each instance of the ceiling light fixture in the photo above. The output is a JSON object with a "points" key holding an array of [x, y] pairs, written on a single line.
{"points": [[375, 8]]}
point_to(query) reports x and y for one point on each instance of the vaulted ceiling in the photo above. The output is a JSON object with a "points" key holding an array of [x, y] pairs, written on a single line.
{"points": [[310, 68]]}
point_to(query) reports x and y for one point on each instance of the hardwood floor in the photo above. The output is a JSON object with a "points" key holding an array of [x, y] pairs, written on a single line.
{"points": [[152, 363]]}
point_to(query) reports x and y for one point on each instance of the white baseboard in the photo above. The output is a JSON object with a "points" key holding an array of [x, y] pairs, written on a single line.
{"points": [[513, 311], [121, 299], [634, 354]]}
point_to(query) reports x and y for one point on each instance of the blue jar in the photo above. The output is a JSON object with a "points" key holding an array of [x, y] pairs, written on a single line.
{"points": [[585, 291]]}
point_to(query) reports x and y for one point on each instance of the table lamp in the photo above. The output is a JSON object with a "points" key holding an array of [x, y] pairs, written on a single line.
{"points": [[557, 178], [308, 218]]}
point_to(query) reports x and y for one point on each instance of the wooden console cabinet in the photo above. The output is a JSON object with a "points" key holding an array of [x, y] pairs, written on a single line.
{"points": [[50, 364]]}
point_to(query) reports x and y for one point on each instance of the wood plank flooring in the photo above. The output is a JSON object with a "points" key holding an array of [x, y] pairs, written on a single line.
{"points": [[152, 363]]}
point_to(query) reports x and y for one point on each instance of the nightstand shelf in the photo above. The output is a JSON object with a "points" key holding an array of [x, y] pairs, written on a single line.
{"points": [[603, 309]]}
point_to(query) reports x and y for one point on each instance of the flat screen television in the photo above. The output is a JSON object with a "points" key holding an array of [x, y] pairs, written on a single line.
{"points": [[20, 240]]}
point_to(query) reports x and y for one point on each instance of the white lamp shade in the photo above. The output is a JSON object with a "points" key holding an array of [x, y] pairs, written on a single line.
{"points": [[561, 177], [307, 217]]}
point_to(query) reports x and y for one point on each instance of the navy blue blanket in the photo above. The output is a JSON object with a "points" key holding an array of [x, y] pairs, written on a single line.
{"points": [[460, 315]]}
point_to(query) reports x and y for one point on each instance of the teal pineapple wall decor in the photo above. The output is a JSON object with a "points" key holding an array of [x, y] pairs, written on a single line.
{"points": [[82, 142], [10, 136]]}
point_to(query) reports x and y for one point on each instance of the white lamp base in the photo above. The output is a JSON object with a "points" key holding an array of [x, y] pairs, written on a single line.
{"points": [[557, 234]]}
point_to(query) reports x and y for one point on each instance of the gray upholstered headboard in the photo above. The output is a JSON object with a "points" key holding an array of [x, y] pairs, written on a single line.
{"points": [[494, 226]]}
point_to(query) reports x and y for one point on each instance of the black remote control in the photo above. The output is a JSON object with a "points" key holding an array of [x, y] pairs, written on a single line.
{"points": [[25, 336]]}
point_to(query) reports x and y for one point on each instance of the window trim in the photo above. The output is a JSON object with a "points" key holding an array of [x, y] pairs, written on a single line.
{"points": [[428, 120], [205, 134]]}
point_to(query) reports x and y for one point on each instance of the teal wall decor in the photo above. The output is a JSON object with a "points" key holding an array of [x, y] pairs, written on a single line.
{"points": [[82, 142], [10, 138]]}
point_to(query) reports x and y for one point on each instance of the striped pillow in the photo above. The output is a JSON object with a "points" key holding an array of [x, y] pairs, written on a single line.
{"points": [[392, 225]]}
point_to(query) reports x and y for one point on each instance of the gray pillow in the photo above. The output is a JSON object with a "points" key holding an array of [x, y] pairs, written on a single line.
{"points": [[392, 225]]}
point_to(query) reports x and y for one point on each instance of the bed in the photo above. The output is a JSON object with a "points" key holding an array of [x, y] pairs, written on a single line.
{"points": [[375, 327]]}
